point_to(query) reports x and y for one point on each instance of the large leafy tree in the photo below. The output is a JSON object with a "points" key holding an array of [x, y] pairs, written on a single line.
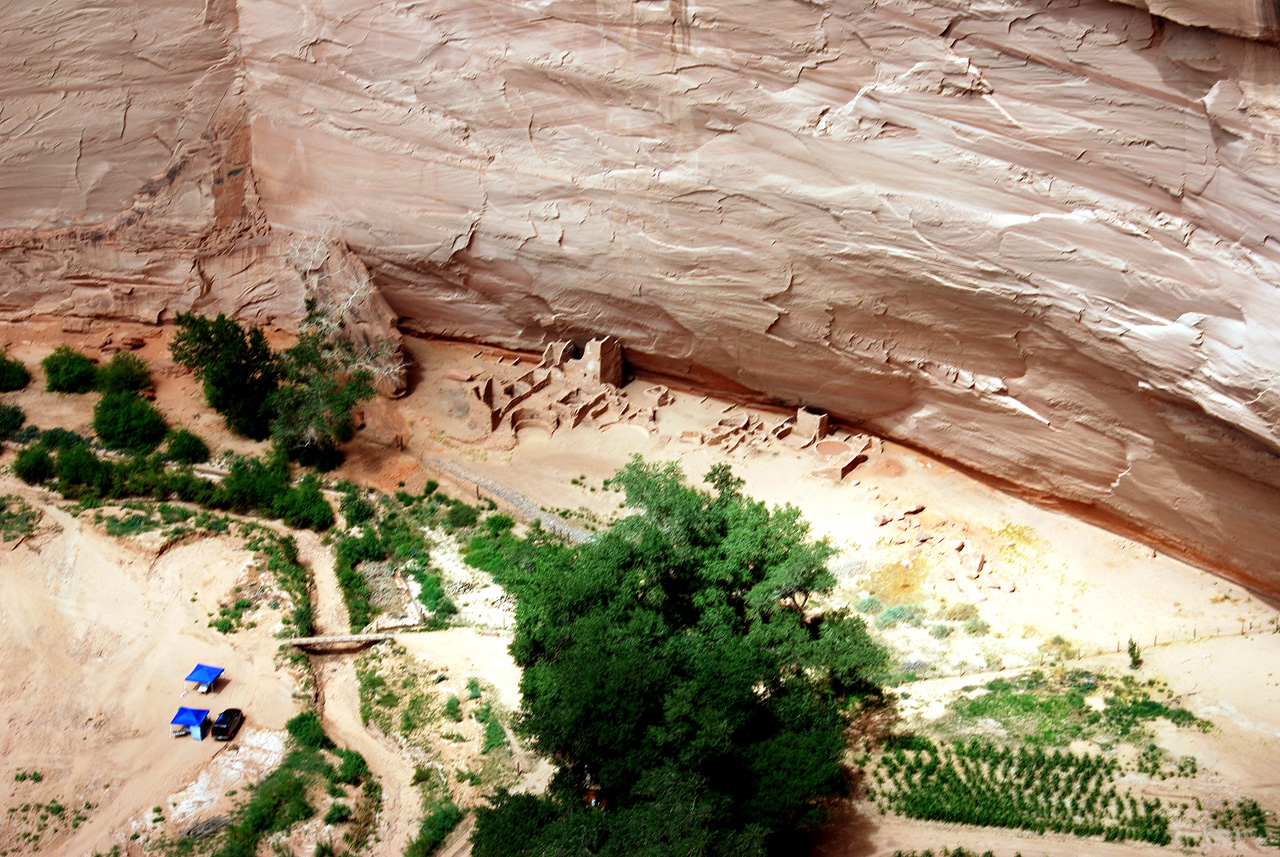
{"points": [[302, 398], [672, 669], [236, 365], [319, 389]]}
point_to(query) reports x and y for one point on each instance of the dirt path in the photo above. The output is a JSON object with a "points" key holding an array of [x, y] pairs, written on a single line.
{"points": [[331, 612], [340, 707], [339, 703]]}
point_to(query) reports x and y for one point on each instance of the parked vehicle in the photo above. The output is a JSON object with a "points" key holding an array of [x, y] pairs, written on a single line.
{"points": [[227, 724]]}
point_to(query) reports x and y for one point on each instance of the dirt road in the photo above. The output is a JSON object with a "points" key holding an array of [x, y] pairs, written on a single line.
{"points": [[338, 693]]}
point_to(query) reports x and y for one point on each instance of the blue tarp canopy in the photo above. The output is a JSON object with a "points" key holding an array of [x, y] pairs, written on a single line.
{"points": [[190, 717], [203, 674]]}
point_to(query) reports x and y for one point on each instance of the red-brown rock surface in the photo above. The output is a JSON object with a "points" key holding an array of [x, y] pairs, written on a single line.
{"points": [[1039, 238]]}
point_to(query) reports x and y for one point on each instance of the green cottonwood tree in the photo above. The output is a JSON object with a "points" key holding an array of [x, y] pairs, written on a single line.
{"points": [[669, 664], [318, 391], [237, 367]]}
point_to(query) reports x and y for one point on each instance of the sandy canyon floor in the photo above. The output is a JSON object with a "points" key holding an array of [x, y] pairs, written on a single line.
{"points": [[97, 631]]}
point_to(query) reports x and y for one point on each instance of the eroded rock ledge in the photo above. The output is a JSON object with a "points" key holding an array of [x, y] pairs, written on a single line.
{"points": [[1037, 238]]}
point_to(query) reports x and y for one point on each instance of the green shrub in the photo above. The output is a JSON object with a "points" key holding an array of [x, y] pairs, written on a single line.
{"points": [[60, 438], [256, 485], [473, 689], [498, 524], [870, 605], [494, 736], [453, 709], [127, 422], [461, 515], [441, 818], [304, 507], [355, 509], [11, 419], [26, 434], [68, 371], [977, 627], [431, 592], [186, 447], [941, 632], [13, 374], [353, 767], [81, 473], [17, 518], [365, 547], [279, 802], [125, 373], [34, 466], [338, 813], [307, 731], [355, 593], [911, 614]]}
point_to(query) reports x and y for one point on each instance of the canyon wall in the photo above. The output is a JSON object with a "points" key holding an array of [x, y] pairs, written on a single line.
{"points": [[1039, 238]]}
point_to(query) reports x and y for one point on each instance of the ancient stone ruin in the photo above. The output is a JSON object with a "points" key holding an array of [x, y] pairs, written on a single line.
{"points": [[562, 390]]}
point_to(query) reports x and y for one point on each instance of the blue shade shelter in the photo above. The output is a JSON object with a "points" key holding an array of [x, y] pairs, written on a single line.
{"points": [[190, 721], [204, 676]]}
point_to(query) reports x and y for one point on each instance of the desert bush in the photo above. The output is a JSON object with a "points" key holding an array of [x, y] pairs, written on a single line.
{"points": [[453, 709], [13, 374], [911, 614], [34, 465], [977, 627], [186, 447], [17, 518], [366, 547], [441, 818], [941, 632], [278, 802], [255, 485], [68, 371], [499, 524], [961, 612], [356, 594], [304, 507], [338, 813], [461, 515], [494, 736], [305, 728], [27, 434], [11, 419], [432, 594], [355, 509], [124, 373], [870, 605], [353, 767], [60, 438], [1135, 655], [82, 474], [127, 422]]}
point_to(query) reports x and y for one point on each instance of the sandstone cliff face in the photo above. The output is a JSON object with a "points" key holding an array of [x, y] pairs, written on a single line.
{"points": [[1038, 238]]}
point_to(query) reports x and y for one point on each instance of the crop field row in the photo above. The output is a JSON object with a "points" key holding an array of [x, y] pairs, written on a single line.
{"points": [[979, 783]]}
